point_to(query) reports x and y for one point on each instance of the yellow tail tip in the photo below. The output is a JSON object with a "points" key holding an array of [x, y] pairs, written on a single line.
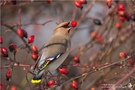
{"points": [[35, 81]]}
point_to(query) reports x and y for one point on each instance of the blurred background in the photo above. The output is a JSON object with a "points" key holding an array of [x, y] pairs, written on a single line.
{"points": [[89, 51]]}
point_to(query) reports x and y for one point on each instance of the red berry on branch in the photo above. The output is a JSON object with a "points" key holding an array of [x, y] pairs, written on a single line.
{"points": [[109, 3], [51, 83], [8, 74], [127, 16], [20, 32], [122, 18], [83, 1], [1, 40], [93, 35], [76, 59], [13, 2], [34, 49], [121, 13], [1, 86], [118, 25], [13, 88], [131, 61], [4, 52], [74, 84], [99, 37], [121, 7], [34, 56], [31, 39], [63, 70], [78, 4], [49, 1], [25, 34], [74, 23], [12, 48], [122, 55]]}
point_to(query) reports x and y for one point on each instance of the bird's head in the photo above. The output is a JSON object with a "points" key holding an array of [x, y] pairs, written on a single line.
{"points": [[63, 28]]}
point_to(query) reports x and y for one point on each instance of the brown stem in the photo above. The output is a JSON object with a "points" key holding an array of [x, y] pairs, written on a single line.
{"points": [[122, 79], [11, 28]]}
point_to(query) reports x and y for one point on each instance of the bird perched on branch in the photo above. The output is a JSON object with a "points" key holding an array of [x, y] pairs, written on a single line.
{"points": [[54, 52]]}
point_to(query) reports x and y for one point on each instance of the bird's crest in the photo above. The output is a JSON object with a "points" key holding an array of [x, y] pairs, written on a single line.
{"points": [[64, 24]]}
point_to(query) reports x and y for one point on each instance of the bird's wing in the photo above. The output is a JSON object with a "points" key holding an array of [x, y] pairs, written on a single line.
{"points": [[56, 47]]}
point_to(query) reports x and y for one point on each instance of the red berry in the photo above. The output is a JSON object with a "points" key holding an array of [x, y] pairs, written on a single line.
{"points": [[1, 40], [20, 32], [109, 3], [13, 88], [13, 2], [31, 39], [4, 52], [99, 37], [76, 59], [74, 84], [83, 1], [12, 47], [63, 70], [122, 7], [93, 35], [122, 55], [118, 25], [127, 16], [51, 83], [122, 18], [49, 1], [1, 86], [74, 23], [131, 61], [34, 49], [121, 13], [8, 74], [34, 56], [25, 34], [78, 4]]}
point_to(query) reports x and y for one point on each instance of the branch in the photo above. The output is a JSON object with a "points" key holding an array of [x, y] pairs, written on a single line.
{"points": [[122, 79], [98, 69], [11, 28]]}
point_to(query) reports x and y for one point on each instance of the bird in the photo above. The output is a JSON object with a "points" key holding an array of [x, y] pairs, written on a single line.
{"points": [[54, 52]]}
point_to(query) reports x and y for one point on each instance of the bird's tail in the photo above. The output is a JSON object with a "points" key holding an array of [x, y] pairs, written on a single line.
{"points": [[37, 78]]}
